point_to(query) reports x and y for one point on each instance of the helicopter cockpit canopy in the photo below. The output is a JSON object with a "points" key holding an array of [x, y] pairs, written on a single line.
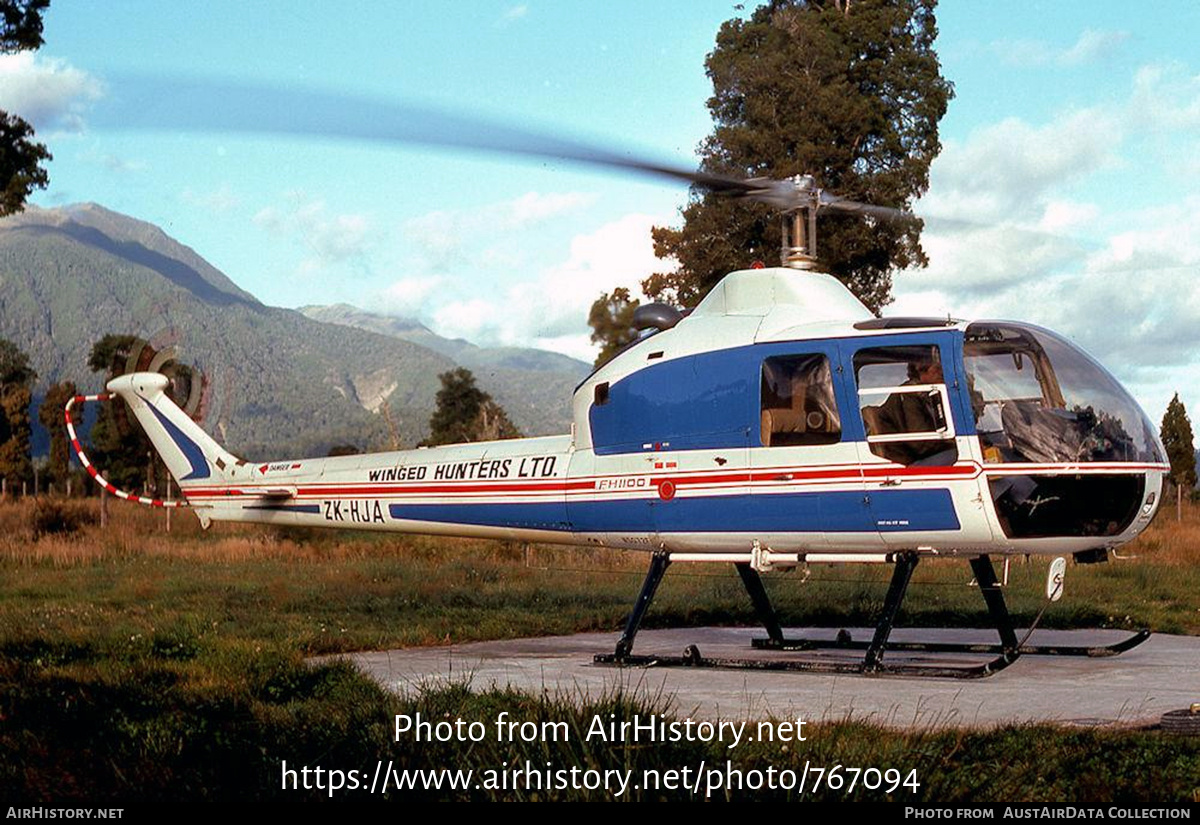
{"points": [[1038, 398]]}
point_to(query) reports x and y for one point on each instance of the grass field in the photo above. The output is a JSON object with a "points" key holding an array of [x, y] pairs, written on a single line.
{"points": [[137, 663]]}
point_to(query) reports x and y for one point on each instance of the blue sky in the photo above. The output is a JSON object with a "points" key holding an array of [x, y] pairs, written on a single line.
{"points": [[1070, 119]]}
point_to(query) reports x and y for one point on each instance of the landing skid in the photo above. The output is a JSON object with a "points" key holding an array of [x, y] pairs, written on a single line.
{"points": [[693, 658], [872, 664], [1092, 651]]}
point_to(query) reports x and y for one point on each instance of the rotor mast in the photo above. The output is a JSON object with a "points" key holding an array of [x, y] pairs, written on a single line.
{"points": [[798, 225]]}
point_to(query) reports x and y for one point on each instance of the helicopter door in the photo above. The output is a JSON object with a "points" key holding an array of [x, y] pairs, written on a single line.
{"points": [[909, 449], [807, 483]]}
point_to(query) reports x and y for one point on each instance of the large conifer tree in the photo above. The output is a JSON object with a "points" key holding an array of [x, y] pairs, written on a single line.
{"points": [[22, 159], [1177, 438], [16, 395], [849, 92]]}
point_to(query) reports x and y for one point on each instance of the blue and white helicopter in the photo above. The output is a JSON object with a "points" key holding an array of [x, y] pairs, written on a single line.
{"points": [[779, 423]]}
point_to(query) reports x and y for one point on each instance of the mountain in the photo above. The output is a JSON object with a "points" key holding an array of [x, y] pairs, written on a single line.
{"points": [[465, 353], [279, 383], [137, 240], [511, 370]]}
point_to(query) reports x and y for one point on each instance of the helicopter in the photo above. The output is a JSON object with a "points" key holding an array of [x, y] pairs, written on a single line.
{"points": [[778, 424]]}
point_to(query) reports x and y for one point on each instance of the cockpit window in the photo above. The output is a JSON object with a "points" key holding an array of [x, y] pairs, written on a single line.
{"points": [[1037, 398]]}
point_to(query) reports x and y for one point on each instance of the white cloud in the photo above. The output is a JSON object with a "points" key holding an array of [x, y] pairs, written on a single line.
{"points": [[533, 208], [408, 297], [551, 311], [1067, 216], [438, 238], [1166, 97], [475, 319], [1092, 46], [978, 261], [1004, 184], [444, 239], [513, 14], [48, 92], [331, 238], [1008, 170], [118, 164], [219, 201], [1163, 113]]}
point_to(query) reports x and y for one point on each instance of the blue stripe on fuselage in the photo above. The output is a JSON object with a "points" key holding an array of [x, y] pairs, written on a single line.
{"points": [[190, 449], [833, 512]]}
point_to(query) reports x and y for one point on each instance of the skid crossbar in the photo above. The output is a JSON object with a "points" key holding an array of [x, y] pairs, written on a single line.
{"points": [[989, 587], [873, 662]]}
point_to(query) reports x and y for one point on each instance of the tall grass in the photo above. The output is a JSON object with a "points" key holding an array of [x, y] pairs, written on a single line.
{"points": [[330, 591], [1170, 541]]}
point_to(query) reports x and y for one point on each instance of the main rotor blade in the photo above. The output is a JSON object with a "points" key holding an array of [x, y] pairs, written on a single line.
{"points": [[203, 105], [884, 213]]}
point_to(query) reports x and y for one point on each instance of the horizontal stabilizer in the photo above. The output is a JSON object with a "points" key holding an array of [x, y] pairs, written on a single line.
{"points": [[273, 493]]}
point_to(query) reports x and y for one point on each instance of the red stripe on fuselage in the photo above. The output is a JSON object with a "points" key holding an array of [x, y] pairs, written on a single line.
{"points": [[592, 484], [702, 479], [1085, 467]]}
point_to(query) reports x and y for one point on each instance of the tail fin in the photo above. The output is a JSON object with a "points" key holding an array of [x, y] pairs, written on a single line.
{"points": [[189, 453]]}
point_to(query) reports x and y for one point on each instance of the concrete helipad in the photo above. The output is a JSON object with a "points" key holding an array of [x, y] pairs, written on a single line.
{"points": [[1133, 688]]}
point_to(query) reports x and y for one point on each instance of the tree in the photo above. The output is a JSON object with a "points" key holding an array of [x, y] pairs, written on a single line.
{"points": [[850, 93], [493, 424], [22, 24], [21, 158], [119, 447], [16, 395], [14, 365], [466, 413], [611, 320], [51, 417], [1181, 452], [15, 463], [1177, 438]]}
